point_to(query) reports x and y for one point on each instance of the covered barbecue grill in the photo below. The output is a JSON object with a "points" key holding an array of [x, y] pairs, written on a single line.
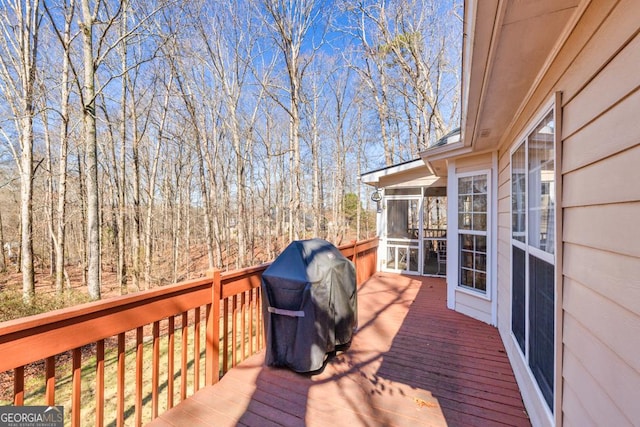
{"points": [[309, 304]]}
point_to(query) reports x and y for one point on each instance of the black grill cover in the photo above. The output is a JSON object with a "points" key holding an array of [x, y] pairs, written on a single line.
{"points": [[309, 304]]}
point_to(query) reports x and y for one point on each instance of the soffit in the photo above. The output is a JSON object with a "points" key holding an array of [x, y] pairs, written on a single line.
{"points": [[510, 45]]}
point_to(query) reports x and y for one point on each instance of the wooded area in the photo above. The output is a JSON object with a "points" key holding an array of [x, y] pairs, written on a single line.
{"points": [[140, 135]]}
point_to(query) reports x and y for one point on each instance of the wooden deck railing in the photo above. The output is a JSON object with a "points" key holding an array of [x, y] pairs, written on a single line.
{"points": [[228, 304]]}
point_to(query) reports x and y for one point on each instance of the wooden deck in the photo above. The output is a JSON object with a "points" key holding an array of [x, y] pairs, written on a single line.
{"points": [[413, 362]]}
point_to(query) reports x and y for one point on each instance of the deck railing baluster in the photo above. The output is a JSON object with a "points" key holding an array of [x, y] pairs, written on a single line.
{"points": [[95, 323], [50, 381], [212, 351], [120, 373], [139, 367], [196, 350], [183, 360], [234, 332], [155, 374], [225, 336], [99, 384], [18, 386], [250, 310], [171, 360], [76, 393]]}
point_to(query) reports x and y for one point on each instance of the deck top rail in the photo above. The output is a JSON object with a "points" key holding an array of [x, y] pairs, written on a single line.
{"points": [[232, 315]]}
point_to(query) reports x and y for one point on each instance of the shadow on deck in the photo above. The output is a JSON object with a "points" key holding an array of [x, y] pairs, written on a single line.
{"points": [[412, 362]]}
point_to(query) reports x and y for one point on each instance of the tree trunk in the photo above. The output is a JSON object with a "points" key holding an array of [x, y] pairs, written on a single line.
{"points": [[62, 164], [148, 249], [121, 269], [49, 194], [136, 247], [91, 153], [26, 213]]}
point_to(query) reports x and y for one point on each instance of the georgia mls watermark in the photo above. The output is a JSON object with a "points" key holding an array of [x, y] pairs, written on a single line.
{"points": [[31, 416]]}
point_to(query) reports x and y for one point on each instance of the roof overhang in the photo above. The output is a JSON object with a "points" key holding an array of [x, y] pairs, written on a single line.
{"points": [[373, 177], [414, 173], [507, 47]]}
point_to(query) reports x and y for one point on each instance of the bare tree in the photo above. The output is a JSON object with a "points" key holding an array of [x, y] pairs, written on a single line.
{"points": [[148, 247], [413, 43], [291, 24], [59, 237], [93, 58], [19, 26], [121, 181]]}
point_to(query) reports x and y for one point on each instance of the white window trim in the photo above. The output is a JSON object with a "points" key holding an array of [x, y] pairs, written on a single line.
{"points": [[488, 293]]}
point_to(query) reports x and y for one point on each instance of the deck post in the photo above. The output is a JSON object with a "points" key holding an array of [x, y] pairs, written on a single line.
{"points": [[212, 351], [355, 261]]}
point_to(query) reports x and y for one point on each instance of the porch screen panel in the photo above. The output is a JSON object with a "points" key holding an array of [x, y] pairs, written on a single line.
{"points": [[541, 327], [397, 218], [518, 297]]}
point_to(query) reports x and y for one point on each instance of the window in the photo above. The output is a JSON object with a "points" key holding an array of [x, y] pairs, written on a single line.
{"points": [[532, 252], [472, 232]]}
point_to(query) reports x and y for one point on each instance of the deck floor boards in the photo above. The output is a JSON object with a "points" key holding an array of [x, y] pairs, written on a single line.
{"points": [[412, 362]]}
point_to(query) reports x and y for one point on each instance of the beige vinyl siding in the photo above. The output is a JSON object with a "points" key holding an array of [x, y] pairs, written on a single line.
{"points": [[611, 374], [603, 412], [611, 85], [589, 187], [572, 405], [473, 306], [473, 163], [594, 143], [504, 248], [605, 273], [601, 200], [597, 73]]}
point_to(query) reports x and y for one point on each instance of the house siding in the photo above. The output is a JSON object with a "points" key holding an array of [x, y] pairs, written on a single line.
{"points": [[597, 73]]}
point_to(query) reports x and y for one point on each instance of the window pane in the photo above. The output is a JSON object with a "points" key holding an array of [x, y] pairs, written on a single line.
{"points": [[480, 203], [518, 194], [481, 281], [465, 185], [466, 278], [518, 289], [464, 221], [481, 243], [541, 189], [541, 327], [480, 222], [480, 184], [466, 242], [466, 260], [464, 203], [473, 262]]}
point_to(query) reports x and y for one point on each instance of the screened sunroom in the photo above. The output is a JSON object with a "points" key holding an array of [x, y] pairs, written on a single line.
{"points": [[412, 218]]}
